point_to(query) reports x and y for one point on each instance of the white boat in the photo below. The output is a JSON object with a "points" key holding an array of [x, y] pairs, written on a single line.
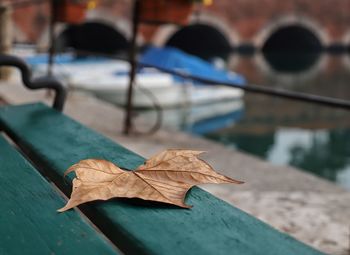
{"points": [[109, 80], [153, 88]]}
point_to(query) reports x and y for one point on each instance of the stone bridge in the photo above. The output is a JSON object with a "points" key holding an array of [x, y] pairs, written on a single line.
{"points": [[243, 25]]}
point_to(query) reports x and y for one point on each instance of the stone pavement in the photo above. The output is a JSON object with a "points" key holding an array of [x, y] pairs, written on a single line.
{"points": [[312, 210]]}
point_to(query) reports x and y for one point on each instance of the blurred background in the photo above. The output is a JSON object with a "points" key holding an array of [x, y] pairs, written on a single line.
{"points": [[297, 45]]}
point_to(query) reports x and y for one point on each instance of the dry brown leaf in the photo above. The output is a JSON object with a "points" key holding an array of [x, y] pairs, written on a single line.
{"points": [[165, 177]]}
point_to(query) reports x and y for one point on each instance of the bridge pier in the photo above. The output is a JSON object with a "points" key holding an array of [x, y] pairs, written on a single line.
{"points": [[5, 37]]}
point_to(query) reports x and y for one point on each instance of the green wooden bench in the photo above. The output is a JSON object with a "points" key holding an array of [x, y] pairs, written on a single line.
{"points": [[29, 223], [52, 142]]}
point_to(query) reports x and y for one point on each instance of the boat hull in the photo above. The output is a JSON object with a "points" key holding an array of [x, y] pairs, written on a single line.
{"points": [[170, 96]]}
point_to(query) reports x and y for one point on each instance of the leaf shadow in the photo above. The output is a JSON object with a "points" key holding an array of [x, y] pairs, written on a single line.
{"points": [[143, 204]]}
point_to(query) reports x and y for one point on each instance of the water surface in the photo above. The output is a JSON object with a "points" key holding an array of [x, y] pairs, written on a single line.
{"points": [[313, 138], [310, 137]]}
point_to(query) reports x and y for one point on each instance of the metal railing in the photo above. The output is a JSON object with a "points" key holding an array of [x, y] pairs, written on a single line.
{"points": [[38, 83]]}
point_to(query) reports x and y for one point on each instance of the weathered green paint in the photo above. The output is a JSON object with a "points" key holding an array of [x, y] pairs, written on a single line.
{"points": [[29, 223], [210, 227]]}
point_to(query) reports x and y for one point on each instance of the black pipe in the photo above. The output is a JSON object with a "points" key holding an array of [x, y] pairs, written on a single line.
{"points": [[54, 4], [38, 83]]}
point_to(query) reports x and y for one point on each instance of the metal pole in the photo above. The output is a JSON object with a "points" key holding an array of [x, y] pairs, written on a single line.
{"points": [[53, 18], [39, 83], [133, 66]]}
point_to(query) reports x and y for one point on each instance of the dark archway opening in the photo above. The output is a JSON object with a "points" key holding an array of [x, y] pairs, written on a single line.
{"points": [[92, 37], [293, 38], [292, 49], [201, 40]]}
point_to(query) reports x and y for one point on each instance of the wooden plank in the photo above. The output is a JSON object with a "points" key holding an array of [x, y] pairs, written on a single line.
{"points": [[29, 223], [210, 227]]}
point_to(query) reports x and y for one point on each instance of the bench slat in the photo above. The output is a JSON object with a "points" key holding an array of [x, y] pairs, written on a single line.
{"points": [[211, 227], [29, 223]]}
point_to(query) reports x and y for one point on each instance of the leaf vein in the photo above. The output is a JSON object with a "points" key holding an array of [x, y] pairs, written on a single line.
{"points": [[151, 186], [181, 171]]}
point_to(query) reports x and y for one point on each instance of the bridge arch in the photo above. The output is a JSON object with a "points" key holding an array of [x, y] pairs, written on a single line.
{"points": [[123, 25], [201, 40], [97, 16], [292, 45], [292, 21], [92, 36], [205, 36]]}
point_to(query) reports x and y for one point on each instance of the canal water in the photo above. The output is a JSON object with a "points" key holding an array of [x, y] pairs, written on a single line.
{"points": [[311, 137]]}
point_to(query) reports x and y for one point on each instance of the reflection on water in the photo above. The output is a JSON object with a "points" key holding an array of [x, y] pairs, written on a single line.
{"points": [[198, 119], [323, 152], [293, 62], [310, 137]]}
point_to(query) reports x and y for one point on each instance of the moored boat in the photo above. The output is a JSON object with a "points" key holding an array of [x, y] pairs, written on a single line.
{"points": [[109, 79]]}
